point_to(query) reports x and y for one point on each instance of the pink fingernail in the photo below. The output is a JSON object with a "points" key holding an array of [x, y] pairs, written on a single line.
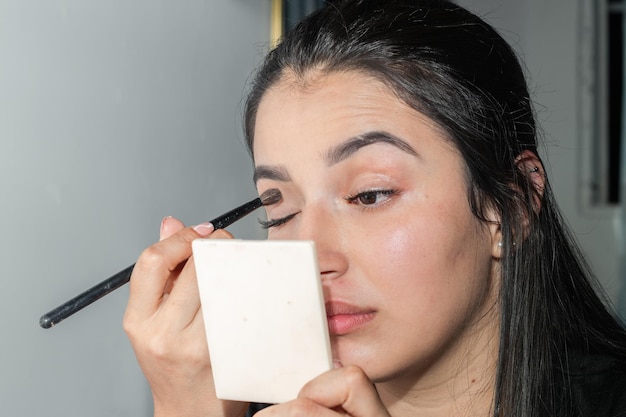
{"points": [[164, 220], [204, 229]]}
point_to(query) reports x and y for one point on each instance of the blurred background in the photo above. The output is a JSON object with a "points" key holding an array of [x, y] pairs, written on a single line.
{"points": [[114, 114]]}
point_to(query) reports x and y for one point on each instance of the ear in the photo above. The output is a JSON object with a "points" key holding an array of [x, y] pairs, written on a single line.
{"points": [[495, 232], [530, 166], [493, 222]]}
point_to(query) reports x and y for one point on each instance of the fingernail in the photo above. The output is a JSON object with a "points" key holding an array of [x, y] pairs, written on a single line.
{"points": [[163, 222], [204, 229]]}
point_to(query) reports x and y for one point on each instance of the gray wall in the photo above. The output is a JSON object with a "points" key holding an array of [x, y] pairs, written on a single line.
{"points": [[116, 113], [113, 114]]}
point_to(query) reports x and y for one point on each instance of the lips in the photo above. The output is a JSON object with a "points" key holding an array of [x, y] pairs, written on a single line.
{"points": [[344, 318]]}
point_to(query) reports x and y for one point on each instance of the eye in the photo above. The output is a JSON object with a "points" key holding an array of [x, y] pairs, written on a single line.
{"points": [[371, 197], [266, 224]]}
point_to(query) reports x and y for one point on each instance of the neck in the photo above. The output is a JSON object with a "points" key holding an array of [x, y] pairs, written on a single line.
{"points": [[464, 386]]}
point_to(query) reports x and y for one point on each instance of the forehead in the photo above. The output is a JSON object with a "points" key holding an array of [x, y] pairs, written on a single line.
{"points": [[314, 81], [329, 106]]}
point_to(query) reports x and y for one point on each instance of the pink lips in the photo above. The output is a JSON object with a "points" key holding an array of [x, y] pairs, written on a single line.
{"points": [[344, 318]]}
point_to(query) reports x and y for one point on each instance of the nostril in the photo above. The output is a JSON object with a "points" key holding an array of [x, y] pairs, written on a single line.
{"points": [[332, 273], [332, 261]]}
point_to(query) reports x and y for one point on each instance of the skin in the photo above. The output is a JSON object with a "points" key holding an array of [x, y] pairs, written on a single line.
{"points": [[396, 241], [165, 326], [395, 238]]}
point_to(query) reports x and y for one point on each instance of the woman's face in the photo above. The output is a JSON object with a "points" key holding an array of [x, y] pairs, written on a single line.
{"points": [[408, 272]]}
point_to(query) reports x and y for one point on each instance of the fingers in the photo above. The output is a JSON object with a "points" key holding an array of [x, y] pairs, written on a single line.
{"points": [[164, 323], [169, 226], [221, 234], [183, 301], [158, 265], [347, 390]]}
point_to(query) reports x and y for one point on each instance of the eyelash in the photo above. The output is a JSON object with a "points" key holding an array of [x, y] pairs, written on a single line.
{"points": [[352, 199], [276, 222], [357, 198]]}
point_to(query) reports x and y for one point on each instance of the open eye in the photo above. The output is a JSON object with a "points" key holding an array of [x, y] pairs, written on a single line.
{"points": [[371, 197]]}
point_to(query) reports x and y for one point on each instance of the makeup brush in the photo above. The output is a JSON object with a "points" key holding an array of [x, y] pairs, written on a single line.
{"points": [[112, 283]]}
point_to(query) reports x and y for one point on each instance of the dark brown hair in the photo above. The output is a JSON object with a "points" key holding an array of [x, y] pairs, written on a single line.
{"points": [[453, 67]]}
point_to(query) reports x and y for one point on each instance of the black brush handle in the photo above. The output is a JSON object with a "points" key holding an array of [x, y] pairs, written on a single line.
{"points": [[114, 282], [85, 298]]}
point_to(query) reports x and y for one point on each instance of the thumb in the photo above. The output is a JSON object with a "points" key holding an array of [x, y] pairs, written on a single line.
{"points": [[169, 226]]}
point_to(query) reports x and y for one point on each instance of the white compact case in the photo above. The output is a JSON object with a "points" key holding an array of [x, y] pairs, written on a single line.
{"points": [[264, 314]]}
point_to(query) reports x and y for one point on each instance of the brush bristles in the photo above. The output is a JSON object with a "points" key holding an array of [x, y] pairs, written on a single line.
{"points": [[271, 196]]}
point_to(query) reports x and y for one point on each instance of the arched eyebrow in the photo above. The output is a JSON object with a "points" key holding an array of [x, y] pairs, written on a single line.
{"points": [[337, 154], [271, 172], [346, 149]]}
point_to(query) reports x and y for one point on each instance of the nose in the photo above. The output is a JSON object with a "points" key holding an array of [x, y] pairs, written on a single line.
{"points": [[324, 228]]}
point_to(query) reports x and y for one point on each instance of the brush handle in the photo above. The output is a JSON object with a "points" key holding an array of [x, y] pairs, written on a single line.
{"points": [[235, 214], [114, 282], [85, 298]]}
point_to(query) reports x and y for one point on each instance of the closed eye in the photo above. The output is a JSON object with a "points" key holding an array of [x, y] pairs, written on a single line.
{"points": [[266, 224], [369, 198]]}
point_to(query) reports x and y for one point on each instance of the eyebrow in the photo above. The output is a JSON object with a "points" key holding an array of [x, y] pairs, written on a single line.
{"points": [[337, 154], [276, 173], [350, 146]]}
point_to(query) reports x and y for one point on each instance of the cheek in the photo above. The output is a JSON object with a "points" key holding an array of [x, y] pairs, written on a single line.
{"points": [[411, 241], [425, 260], [398, 256]]}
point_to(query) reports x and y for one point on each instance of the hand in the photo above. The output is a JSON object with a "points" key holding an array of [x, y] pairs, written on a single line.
{"points": [[340, 392], [164, 323]]}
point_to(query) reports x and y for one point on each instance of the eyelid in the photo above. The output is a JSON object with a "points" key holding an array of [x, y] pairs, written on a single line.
{"points": [[387, 192], [352, 199], [266, 224]]}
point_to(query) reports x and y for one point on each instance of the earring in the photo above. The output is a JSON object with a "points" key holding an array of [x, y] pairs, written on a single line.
{"points": [[500, 244], [533, 169]]}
